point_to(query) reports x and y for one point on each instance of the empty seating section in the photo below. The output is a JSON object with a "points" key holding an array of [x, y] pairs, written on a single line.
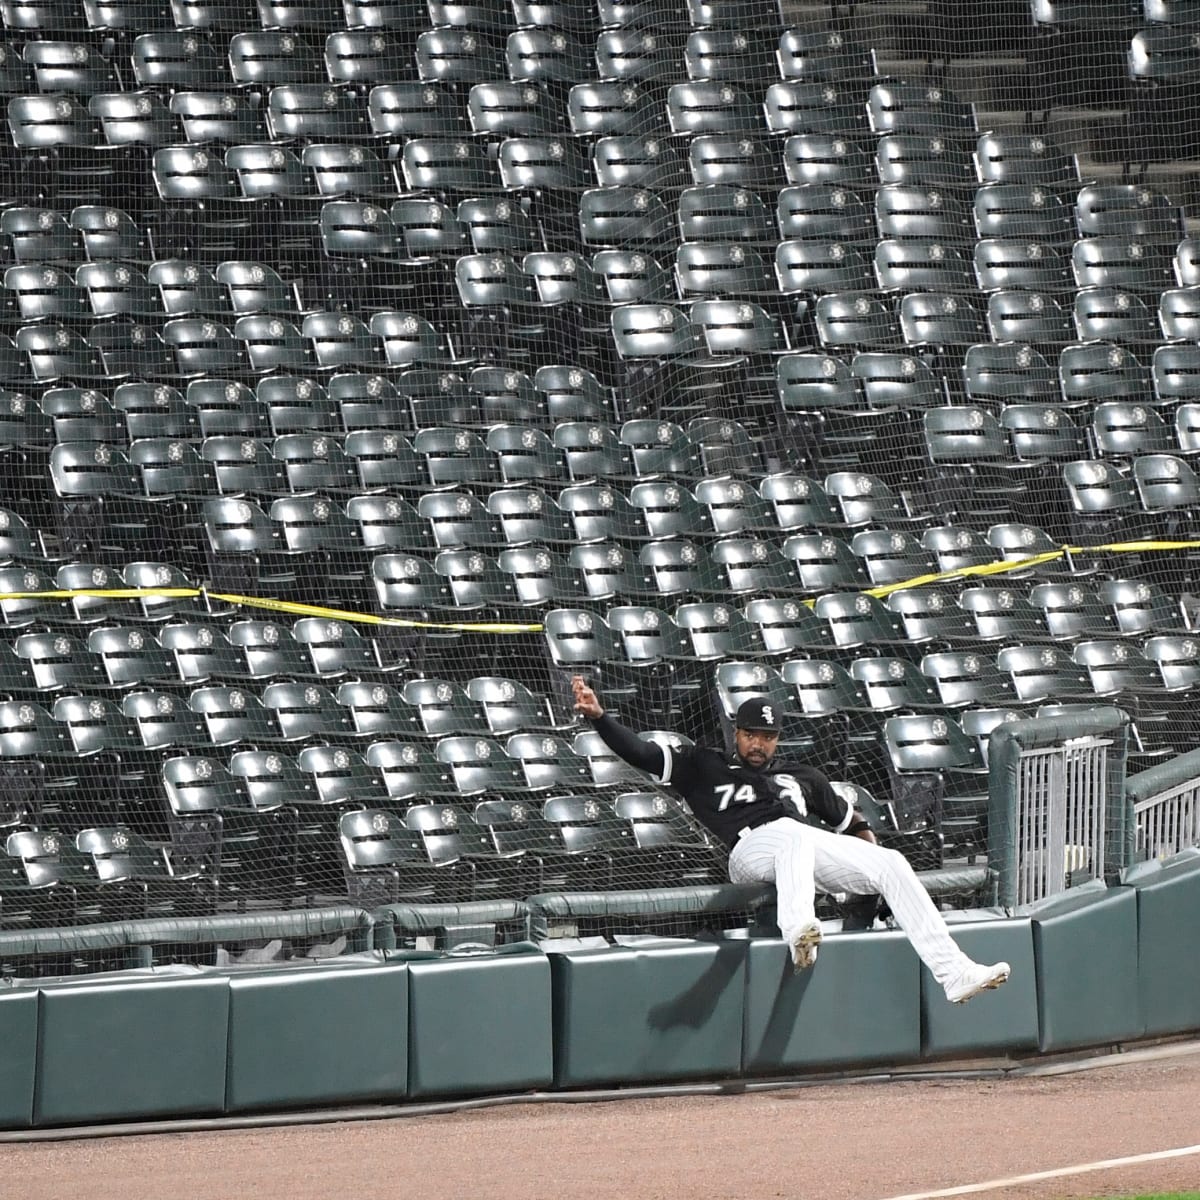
{"points": [[654, 341]]}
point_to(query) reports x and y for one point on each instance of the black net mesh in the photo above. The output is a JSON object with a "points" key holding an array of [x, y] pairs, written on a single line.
{"points": [[368, 369]]}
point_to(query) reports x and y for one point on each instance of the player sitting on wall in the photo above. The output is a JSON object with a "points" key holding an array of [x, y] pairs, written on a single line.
{"points": [[766, 813]]}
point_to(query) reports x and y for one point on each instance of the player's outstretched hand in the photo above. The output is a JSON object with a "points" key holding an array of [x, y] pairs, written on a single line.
{"points": [[585, 699]]}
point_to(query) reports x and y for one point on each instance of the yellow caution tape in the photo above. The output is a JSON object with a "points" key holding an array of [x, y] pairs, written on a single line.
{"points": [[274, 605], [1009, 566], [341, 614], [505, 627]]}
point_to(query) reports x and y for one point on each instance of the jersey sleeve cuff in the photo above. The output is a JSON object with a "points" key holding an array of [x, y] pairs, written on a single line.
{"points": [[664, 776]]}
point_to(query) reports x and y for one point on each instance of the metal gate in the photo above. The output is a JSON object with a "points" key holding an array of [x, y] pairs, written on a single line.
{"points": [[1061, 809]]}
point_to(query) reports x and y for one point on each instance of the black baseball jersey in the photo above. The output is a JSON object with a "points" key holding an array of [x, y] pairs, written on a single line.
{"points": [[728, 795]]}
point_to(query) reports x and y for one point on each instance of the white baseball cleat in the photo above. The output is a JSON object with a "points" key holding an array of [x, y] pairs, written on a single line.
{"points": [[974, 979], [804, 945]]}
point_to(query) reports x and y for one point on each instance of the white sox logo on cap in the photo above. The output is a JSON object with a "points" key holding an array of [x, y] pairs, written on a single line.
{"points": [[758, 714]]}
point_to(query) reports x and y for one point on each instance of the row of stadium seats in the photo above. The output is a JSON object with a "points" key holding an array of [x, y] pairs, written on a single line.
{"points": [[381, 52], [267, 826], [1098, 663], [626, 153], [231, 715], [224, 851], [707, 334], [718, 276], [307, 477], [278, 404], [808, 211], [1087, 383], [360, 745], [542, 571], [424, 228], [192, 61], [125, 15], [564, 15], [123, 655], [506, 454]]}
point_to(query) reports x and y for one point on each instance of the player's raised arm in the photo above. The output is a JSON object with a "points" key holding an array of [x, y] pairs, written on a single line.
{"points": [[624, 742]]}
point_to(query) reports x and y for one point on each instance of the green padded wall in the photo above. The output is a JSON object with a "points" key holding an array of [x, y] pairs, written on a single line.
{"points": [[1002, 1021], [667, 1010], [1169, 948], [1085, 942], [317, 1036], [479, 1024], [859, 1004], [18, 1056], [141, 1049]]}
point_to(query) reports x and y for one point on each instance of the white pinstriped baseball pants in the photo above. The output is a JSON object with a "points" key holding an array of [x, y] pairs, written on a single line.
{"points": [[800, 858]]}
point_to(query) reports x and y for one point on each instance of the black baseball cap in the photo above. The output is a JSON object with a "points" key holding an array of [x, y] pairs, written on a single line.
{"points": [[758, 714]]}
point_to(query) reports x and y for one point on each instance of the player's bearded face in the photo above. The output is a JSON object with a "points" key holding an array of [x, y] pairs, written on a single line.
{"points": [[755, 746]]}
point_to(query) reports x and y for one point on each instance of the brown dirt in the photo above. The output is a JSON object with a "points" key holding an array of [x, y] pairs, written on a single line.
{"points": [[860, 1141]]}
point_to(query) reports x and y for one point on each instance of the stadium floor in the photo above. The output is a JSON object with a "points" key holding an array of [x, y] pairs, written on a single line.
{"points": [[860, 1141]]}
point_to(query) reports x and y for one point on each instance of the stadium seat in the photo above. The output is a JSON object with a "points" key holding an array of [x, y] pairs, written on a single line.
{"points": [[898, 107], [1140, 606], [1001, 614], [1024, 158], [858, 619], [364, 57], [200, 652], [826, 158], [1023, 210], [930, 615], [147, 882], [528, 515], [384, 861], [665, 841], [548, 52], [129, 656], [402, 109], [596, 512], [894, 685], [823, 54], [714, 630], [377, 710], [1116, 668], [639, 160], [1043, 673], [802, 106], [947, 767], [1014, 314], [1166, 483], [1178, 659]]}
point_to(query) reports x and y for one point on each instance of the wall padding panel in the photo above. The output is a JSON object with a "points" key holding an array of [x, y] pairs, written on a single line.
{"points": [[1086, 948], [142, 1049], [672, 1010], [1000, 1021], [317, 1036], [1169, 949], [18, 1056], [859, 1004], [479, 1024]]}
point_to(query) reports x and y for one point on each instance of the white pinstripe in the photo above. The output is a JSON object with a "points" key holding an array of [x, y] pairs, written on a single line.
{"points": [[800, 858]]}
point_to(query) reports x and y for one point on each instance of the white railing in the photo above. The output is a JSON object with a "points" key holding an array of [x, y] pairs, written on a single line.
{"points": [[1168, 822]]}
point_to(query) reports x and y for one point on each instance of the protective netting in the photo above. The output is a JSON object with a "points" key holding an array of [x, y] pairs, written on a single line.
{"points": [[370, 368]]}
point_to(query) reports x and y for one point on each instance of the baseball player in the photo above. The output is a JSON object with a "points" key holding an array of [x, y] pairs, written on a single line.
{"points": [[765, 814]]}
